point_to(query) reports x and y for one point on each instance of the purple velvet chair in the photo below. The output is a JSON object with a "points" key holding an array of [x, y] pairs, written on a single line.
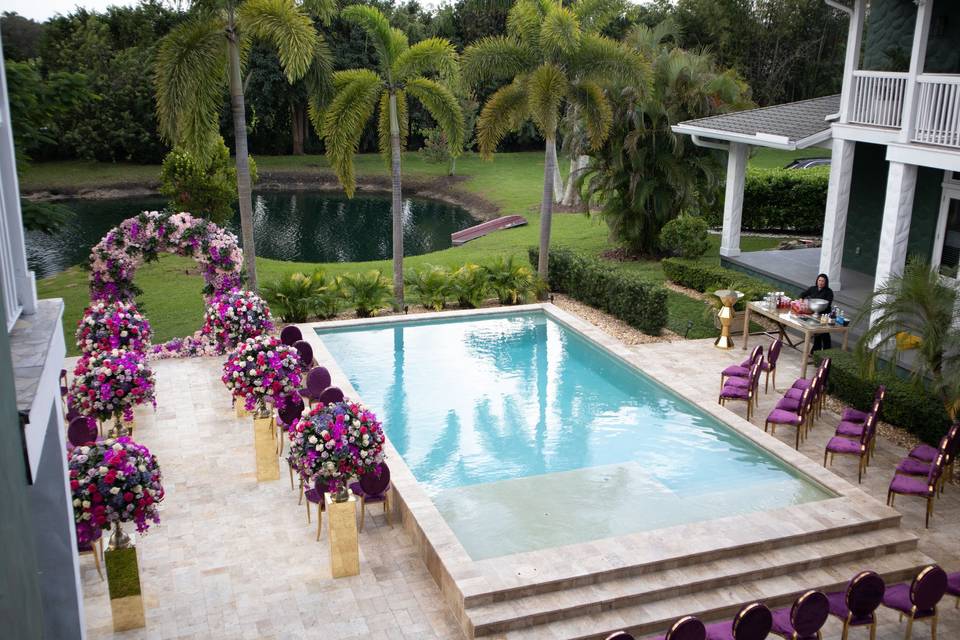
{"points": [[818, 383], [290, 335], [770, 365], [785, 417], [839, 445], [64, 388], [315, 496], [918, 600], [373, 487], [286, 418], [804, 619], [318, 379], [330, 395], [953, 586], [732, 391], [686, 628], [856, 606], [752, 622], [742, 370], [82, 430], [854, 428], [948, 449], [921, 487], [306, 352], [855, 415]]}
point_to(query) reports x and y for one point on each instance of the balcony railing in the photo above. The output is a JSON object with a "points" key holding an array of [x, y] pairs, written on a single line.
{"points": [[878, 98], [938, 110]]}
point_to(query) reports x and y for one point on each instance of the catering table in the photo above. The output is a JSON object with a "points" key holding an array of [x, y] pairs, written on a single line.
{"points": [[785, 319]]}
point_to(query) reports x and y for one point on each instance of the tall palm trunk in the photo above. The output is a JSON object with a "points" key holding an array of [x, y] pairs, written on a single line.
{"points": [[396, 207], [546, 205], [240, 149]]}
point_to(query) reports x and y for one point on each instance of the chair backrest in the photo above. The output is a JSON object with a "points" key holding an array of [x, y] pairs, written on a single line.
{"points": [[773, 352], [290, 335], [864, 594], [756, 354], [928, 587], [686, 628], [869, 430], [934, 473], [330, 394], [305, 350], [880, 395], [376, 482], [752, 622], [317, 380], [81, 431], [806, 401], [809, 613], [291, 411], [63, 383], [953, 442]]}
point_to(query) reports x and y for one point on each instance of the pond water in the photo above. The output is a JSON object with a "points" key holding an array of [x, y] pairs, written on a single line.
{"points": [[300, 226]]}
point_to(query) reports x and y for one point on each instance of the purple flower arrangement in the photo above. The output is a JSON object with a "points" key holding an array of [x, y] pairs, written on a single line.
{"points": [[108, 384], [262, 371], [112, 325], [116, 480], [234, 316], [336, 442]]}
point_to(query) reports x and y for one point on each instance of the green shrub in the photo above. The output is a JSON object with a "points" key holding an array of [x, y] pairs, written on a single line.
{"points": [[638, 303], [513, 283], [470, 286], [327, 300], [685, 236], [707, 278], [906, 405], [368, 292], [782, 200], [433, 285], [293, 296]]}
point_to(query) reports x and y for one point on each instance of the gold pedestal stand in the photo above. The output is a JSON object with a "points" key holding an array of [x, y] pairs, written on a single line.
{"points": [[344, 540], [123, 580], [239, 411], [728, 298], [265, 448]]}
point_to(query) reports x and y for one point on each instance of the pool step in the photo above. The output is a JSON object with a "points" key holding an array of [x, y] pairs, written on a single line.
{"points": [[854, 550]]}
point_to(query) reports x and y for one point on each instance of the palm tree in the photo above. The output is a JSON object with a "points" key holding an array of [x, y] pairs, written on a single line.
{"points": [[203, 57], [556, 59], [916, 310], [399, 74]]}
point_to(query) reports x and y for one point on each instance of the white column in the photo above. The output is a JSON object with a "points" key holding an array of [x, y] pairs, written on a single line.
{"points": [[733, 200], [895, 229], [918, 54], [835, 215], [852, 60]]}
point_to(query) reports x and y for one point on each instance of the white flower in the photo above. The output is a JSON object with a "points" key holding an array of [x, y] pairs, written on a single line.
{"points": [[114, 490], [103, 470], [313, 439]]}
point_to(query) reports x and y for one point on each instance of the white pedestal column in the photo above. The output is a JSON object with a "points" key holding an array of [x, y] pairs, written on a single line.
{"points": [[895, 229], [733, 199], [835, 215]]}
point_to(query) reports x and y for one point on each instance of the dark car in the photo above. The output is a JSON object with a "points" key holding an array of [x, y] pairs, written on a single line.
{"points": [[806, 163]]}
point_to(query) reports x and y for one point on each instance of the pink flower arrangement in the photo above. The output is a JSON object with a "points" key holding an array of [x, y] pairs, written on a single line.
{"points": [[234, 316], [109, 384], [336, 442], [113, 481], [112, 325], [262, 371]]}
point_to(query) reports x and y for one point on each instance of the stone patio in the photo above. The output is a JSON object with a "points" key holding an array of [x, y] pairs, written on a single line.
{"points": [[237, 559]]}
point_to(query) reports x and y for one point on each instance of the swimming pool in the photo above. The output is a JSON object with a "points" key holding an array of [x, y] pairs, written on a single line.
{"points": [[526, 435]]}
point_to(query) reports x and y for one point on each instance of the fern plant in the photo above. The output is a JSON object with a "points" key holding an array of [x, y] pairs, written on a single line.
{"points": [[513, 282], [368, 293], [292, 296], [470, 285], [432, 285]]}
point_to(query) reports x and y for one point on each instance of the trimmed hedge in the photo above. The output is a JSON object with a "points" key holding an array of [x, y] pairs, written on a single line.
{"points": [[916, 410], [707, 278], [638, 303], [782, 200]]}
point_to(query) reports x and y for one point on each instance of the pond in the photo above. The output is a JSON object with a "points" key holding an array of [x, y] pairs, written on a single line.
{"points": [[300, 226]]}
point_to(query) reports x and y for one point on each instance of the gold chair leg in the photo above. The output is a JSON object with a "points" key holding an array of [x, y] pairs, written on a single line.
{"points": [[873, 631], [308, 512], [846, 630], [363, 512], [319, 521], [97, 552], [909, 628], [933, 627]]}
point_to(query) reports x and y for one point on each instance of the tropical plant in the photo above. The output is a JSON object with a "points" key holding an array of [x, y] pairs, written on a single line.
{"points": [[556, 58], [432, 285], [204, 185], [685, 236], [647, 175], [512, 281], [400, 73], [292, 296], [367, 292], [470, 286], [915, 310], [204, 56]]}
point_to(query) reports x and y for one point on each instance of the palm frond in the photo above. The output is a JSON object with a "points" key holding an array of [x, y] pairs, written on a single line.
{"points": [[595, 110], [383, 123], [594, 15], [190, 76], [443, 106], [647, 40], [503, 112], [495, 58], [433, 55], [547, 87], [345, 118], [388, 41], [324, 10], [524, 20], [559, 33], [319, 81], [283, 24], [604, 60]]}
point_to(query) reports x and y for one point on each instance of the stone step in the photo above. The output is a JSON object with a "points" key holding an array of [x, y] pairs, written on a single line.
{"points": [[745, 568], [718, 603]]}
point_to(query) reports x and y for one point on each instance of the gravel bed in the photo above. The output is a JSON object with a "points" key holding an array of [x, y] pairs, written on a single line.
{"points": [[616, 328]]}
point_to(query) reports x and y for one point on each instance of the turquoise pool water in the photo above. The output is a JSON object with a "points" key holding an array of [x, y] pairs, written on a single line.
{"points": [[526, 435]]}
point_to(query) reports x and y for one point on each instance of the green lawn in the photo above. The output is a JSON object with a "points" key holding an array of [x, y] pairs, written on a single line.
{"points": [[777, 159], [512, 182]]}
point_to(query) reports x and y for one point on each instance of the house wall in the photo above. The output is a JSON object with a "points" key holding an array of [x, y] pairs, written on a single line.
{"points": [[890, 27]]}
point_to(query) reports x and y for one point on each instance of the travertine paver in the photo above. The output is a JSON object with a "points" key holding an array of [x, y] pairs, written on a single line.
{"points": [[234, 559]]}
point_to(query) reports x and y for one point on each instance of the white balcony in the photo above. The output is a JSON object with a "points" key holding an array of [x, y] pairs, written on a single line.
{"points": [[878, 98], [938, 110]]}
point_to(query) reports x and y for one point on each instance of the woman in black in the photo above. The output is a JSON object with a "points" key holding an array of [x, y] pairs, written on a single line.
{"points": [[822, 291]]}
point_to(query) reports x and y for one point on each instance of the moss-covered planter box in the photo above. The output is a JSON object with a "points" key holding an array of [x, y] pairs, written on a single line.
{"points": [[123, 580]]}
